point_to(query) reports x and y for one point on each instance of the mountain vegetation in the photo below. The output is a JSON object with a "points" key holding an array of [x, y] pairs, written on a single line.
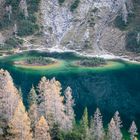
{"points": [[50, 115], [39, 61], [129, 21], [92, 62], [18, 19]]}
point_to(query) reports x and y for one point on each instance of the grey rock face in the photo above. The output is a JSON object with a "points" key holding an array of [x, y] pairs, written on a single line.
{"points": [[88, 28]]}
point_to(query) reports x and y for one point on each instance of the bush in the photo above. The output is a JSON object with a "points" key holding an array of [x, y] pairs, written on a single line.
{"points": [[20, 16], [5, 22], [13, 3], [74, 5], [13, 42], [26, 27], [61, 1], [32, 18], [73, 136], [131, 42], [33, 6], [119, 23], [94, 62], [39, 60]]}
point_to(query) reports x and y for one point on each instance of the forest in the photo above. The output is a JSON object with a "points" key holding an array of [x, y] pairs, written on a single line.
{"points": [[49, 115], [39, 61], [92, 62]]}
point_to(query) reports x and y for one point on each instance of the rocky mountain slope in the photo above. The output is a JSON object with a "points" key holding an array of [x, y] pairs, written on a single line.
{"points": [[92, 26]]}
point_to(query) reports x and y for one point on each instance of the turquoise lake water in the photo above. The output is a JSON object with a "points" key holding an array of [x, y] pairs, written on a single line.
{"points": [[112, 87]]}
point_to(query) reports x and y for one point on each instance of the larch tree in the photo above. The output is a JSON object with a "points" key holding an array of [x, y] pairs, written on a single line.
{"points": [[42, 130], [44, 99], [8, 97], [19, 125], [133, 131], [113, 132], [70, 116], [20, 93], [98, 126], [14, 118], [51, 102], [33, 109], [117, 119], [118, 124]]}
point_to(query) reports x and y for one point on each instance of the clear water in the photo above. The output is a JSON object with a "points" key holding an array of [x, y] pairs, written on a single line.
{"points": [[113, 87]]}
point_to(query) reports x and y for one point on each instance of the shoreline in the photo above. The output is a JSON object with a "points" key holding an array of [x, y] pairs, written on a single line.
{"points": [[56, 49]]}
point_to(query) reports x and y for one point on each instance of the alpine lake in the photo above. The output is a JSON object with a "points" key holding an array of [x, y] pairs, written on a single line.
{"points": [[114, 86]]}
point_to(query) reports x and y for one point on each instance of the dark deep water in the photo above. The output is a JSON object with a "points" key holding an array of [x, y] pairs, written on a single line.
{"points": [[110, 89]]}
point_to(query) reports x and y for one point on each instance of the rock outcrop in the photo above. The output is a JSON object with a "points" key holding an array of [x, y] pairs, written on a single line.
{"points": [[89, 28]]}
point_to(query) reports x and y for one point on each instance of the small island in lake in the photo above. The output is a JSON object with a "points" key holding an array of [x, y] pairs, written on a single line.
{"points": [[92, 62], [36, 61]]}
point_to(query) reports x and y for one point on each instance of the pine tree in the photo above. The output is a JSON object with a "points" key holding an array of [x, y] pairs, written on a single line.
{"points": [[69, 108], [91, 129], [130, 6], [138, 38], [133, 131], [9, 11], [98, 126], [15, 30], [33, 109], [124, 12], [24, 8], [117, 120], [19, 125], [85, 124], [42, 130]]}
